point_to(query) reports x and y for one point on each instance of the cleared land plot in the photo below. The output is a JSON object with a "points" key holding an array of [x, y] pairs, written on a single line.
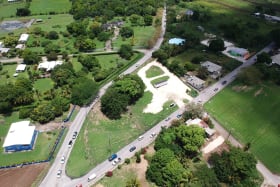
{"points": [[6, 75], [44, 7], [154, 71], [43, 84], [9, 9], [251, 114], [100, 136]]}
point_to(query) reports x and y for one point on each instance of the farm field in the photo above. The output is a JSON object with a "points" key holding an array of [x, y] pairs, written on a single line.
{"points": [[9, 9], [100, 136], [43, 7], [251, 114]]}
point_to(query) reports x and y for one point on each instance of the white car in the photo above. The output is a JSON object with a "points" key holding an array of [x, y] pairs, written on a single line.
{"points": [[140, 138], [116, 161], [58, 174], [153, 135], [62, 160]]}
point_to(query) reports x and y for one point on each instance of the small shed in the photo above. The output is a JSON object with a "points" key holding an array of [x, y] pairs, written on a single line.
{"points": [[20, 68], [176, 41], [23, 38]]}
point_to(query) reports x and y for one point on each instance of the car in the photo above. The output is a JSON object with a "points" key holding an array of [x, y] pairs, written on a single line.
{"points": [[62, 160], [140, 138], [58, 174], [75, 135], [224, 82], [179, 116], [132, 148], [172, 105], [116, 161], [167, 119], [153, 135], [70, 143], [216, 89], [112, 157]]}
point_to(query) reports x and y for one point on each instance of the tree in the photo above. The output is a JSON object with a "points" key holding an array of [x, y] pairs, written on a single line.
{"points": [[103, 36], [78, 28], [160, 55], [126, 51], [52, 56], [174, 173], [205, 176], [63, 74], [235, 167], [51, 47], [90, 62], [53, 35], [114, 103], [43, 113], [126, 32], [83, 91], [148, 19], [250, 75], [202, 72], [264, 58], [190, 138], [10, 41], [217, 45], [275, 35], [30, 57], [23, 12], [85, 44]]}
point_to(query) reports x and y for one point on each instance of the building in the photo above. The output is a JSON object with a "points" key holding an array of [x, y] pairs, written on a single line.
{"points": [[20, 46], [176, 41], [48, 65], [199, 122], [4, 50], [112, 25], [23, 38], [1, 44], [20, 68], [276, 59], [239, 52], [195, 82], [213, 69], [21, 136]]}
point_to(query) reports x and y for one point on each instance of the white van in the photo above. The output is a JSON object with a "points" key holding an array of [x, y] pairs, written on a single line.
{"points": [[91, 177]]}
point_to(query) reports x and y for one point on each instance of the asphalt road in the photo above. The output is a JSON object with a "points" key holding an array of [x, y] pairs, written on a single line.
{"points": [[51, 178]]}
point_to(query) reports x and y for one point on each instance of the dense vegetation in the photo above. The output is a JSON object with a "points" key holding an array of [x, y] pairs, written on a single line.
{"points": [[125, 91]]}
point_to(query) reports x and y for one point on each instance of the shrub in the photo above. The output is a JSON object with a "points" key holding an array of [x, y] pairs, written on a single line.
{"points": [[24, 112], [127, 161], [109, 174], [143, 151], [138, 158]]}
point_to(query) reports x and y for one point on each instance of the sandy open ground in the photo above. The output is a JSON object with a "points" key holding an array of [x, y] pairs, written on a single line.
{"points": [[213, 145], [174, 90]]}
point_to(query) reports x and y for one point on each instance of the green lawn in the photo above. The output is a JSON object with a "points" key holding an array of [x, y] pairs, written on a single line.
{"points": [[154, 71], [9, 9], [6, 75], [100, 137], [44, 7], [43, 84], [160, 79], [252, 116]]}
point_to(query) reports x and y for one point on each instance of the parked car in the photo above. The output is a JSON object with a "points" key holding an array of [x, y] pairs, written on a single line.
{"points": [[132, 148], [75, 135], [116, 161], [153, 135], [179, 116], [112, 157], [62, 160], [140, 138], [172, 105], [224, 82], [91, 177], [216, 89], [167, 119], [70, 143], [58, 174]]}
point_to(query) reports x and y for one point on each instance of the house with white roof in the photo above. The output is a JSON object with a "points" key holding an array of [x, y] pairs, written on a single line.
{"points": [[20, 46], [20, 68], [213, 69], [21, 136], [48, 65], [23, 38], [276, 59]]}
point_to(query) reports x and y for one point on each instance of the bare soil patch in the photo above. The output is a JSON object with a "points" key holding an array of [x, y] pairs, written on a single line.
{"points": [[23, 177], [241, 88], [258, 92]]}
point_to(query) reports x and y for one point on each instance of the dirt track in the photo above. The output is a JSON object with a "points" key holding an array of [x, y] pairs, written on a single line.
{"points": [[21, 177]]}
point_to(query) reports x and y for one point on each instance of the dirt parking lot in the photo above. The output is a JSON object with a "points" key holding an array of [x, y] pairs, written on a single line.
{"points": [[21, 177]]}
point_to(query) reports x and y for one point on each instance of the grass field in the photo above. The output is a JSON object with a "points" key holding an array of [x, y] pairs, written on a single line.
{"points": [[43, 84], [154, 71], [251, 114], [160, 79], [6, 75], [9, 9], [92, 145], [44, 7]]}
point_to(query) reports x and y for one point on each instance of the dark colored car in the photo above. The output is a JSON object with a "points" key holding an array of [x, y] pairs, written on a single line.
{"points": [[70, 143], [132, 148], [75, 135], [112, 157], [224, 82], [216, 89]]}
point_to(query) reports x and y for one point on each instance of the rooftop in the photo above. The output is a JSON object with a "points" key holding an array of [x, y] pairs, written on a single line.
{"points": [[49, 65], [21, 67], [276, 59], [176, 41], [211, 67], [20, 133], [23, 37]]}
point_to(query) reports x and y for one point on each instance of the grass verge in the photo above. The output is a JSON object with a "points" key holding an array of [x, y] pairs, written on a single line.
{"points": [[154, 71]]}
